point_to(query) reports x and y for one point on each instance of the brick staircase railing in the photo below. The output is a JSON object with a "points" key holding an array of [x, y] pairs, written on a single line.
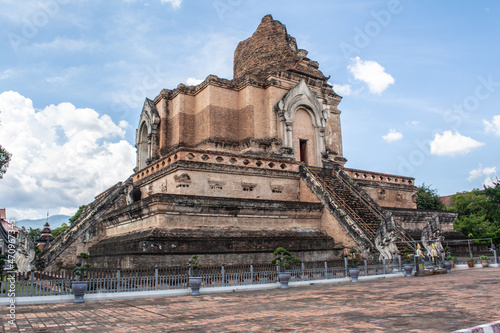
{"points": [[333, 185], [78, 228], [369, 218]]}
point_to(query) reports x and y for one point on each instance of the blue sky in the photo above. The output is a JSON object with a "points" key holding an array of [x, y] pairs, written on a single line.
{"points": [[420, 81]]}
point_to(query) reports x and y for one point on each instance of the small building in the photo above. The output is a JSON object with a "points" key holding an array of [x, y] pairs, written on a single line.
{"points": [[46, 236]]}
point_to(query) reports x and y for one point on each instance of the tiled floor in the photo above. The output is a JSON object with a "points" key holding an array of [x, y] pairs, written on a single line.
{"points": [[440, 303]]}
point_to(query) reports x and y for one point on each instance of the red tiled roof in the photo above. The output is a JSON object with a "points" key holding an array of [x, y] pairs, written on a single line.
{"points": [[446, 200], [7, 226]]}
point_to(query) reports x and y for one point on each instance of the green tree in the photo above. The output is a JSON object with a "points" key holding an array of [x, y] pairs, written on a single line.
{"points": [[57, 231], [34, 233], [428, 198], [478, 212], [284, 258], [493, 205], [4, 160], [77, 214]]}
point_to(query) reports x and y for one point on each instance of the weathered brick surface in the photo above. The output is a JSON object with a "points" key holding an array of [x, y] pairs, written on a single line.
{"points": [[270, 49], [438, 303]]}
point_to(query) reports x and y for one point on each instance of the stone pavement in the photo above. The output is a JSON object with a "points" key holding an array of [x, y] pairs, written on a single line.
{"points": [[439, 303]]}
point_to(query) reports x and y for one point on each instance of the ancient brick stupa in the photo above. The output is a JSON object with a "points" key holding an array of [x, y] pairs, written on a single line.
{"points": [[232, 169]]}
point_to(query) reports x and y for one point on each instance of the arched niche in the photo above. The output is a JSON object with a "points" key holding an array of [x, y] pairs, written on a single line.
{"points": [[301, 101], [146, 139], [143, 146]]}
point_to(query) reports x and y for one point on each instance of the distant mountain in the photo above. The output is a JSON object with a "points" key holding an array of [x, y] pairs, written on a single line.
{"points": [[55, 221]]}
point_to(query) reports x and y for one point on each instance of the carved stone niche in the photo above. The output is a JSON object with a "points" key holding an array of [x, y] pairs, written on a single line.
{"points": [[381, 194], [216, 184], [163, 187], [276, 187], [182, 180], [150, 189], [248, 187]]}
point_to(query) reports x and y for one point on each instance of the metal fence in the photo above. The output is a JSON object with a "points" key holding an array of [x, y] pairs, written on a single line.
{"points": [[45, 284]]}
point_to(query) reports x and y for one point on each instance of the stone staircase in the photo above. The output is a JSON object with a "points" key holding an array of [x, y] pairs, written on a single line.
{"points": [[358, 213], [369, 218], [82, 228]]}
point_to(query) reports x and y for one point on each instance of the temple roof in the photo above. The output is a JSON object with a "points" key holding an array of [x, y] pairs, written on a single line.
{"points": [[270, 50], [46, 235]]}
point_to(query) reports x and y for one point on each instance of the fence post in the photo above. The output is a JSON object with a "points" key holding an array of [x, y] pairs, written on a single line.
{"points": [[366, 268], [223, 279], [383, 265], [399, 261], [302, 267], [326, 270], [251, 273], [118, 282], [32, 282], [345, 266], [496, 257], [156, 278]]}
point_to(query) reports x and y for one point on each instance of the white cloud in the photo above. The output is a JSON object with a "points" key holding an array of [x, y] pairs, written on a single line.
{"points": [[413, 122], [174, 3], [61, 156], [451, 144], [493, 126], [193, 82], [392, 136], [6, 74], [64, 76], [342, 89], [67, 211], [21, 214], [490, 174], [372, 73], [63, 44]]}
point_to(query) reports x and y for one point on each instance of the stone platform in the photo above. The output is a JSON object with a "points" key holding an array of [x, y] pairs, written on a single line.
{"points": [[438, 303], [427, 272]]}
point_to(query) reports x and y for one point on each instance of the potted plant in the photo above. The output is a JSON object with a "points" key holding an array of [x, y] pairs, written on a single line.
{"points": [[80, 285], [448, 260], [284, 259], [194, 281], [407, 262], [484, 261], [470, 262], [353, 266]]}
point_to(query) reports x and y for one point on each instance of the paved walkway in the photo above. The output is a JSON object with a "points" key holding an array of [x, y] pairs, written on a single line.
{"points": [[440, 303]]}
